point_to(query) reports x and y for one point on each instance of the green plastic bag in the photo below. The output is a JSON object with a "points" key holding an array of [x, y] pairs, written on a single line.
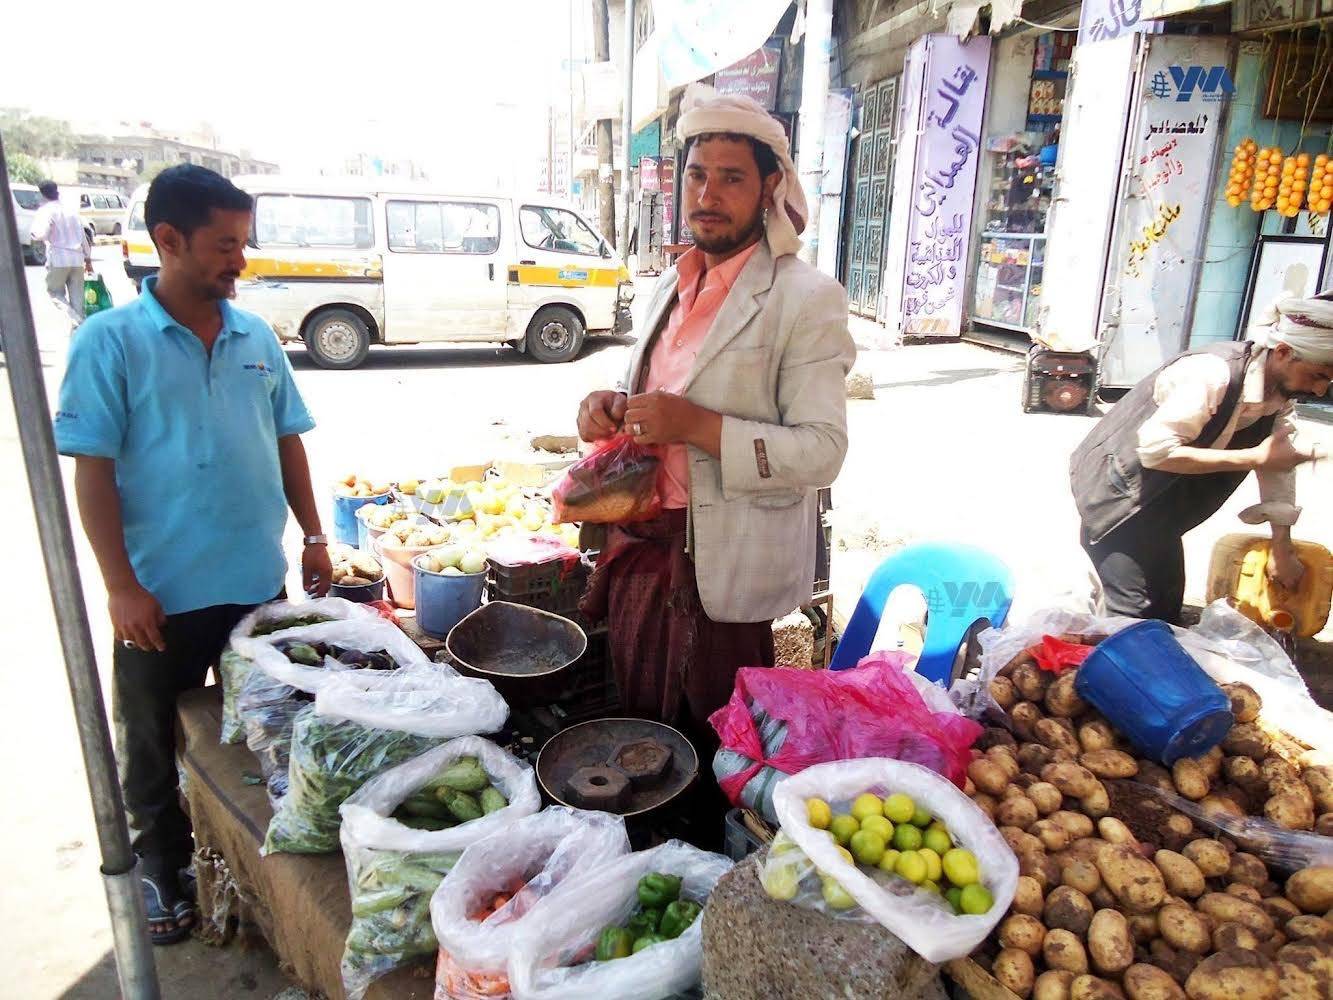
{"points": [[96, 298]]}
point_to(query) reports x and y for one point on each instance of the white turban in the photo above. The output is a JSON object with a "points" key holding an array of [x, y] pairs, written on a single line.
{"points": [[703, 110], [1304, 325]]}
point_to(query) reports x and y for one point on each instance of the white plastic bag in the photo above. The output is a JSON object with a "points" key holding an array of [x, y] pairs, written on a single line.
{"points": [[393, 870], [919, 918], [270, 620], [528, 860], [363, 723], [541, 961], [276, 689]]}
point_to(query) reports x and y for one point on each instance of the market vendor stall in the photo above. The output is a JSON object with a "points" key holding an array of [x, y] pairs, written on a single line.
{"points": [[300, 902]]}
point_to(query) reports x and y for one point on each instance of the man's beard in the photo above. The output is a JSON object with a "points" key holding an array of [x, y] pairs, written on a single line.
{"points": [[727, 244]]}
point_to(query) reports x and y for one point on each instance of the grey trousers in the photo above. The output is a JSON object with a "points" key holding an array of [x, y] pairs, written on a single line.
{"points": [[65, 286]]}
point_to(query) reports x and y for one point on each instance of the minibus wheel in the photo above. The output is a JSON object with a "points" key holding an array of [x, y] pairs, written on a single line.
{"points": [[555, 334], [337, 338]]}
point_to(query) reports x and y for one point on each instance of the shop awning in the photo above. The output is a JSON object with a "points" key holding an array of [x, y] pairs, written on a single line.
{"points": [[696, 38]]}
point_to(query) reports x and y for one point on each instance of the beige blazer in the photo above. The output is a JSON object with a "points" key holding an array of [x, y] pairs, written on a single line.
{"points": [[775, 364]]}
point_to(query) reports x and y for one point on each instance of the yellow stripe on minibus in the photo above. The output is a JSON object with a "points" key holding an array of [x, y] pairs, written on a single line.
{"points": [[566, 277], [269, 267]]}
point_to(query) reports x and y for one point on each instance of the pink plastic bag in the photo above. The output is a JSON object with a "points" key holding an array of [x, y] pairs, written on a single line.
{"points": [[614, 484], [870, 711]]}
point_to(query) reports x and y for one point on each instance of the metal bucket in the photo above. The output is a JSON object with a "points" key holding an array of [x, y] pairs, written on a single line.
{"points": [[523, 651]]}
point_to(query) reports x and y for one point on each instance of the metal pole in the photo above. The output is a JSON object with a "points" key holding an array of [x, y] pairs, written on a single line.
{"points": [[120, 874], [606, 172], [814, 100], [627, 125], [569, 177]]}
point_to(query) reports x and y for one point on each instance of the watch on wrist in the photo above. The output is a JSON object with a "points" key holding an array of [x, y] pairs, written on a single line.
{"points": [[316, 540]]}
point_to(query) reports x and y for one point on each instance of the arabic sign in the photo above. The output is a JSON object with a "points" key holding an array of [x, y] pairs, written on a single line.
{"points": [[1100, 20], [754, 76], [1168, 197], [943, 184]]}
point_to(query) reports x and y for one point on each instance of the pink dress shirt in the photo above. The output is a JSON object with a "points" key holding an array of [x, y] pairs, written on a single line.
{"points": [[672, 358]]}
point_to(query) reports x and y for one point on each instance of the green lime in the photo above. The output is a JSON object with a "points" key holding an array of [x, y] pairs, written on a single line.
{"points": [[867, 804], [906, 837], [888, 860], [911, 866], [930, 885], [921, 818], [934, 870], [975, 899], [836, 896], [781, 881], [899, 808], [955, 897], [842, 827], [938, 841], [867, 847], [879, 825], [960, 867]]}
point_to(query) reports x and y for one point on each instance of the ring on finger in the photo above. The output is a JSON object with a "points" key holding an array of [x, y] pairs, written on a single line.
{"points": [[129, 643], [638, 429]]}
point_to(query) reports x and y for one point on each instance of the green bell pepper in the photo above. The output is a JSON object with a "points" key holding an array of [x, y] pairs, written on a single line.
{"points": [[656, 890], [615, 942], [647, 941], [644, 922], [678, 916]]}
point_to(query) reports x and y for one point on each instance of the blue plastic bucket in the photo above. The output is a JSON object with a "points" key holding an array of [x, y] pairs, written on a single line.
{"points": [[444, 601], [344, 515], [1153, 692]]}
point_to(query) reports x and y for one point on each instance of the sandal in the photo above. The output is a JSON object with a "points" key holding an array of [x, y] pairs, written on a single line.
{"points": [[165, 908], [189, 883]]}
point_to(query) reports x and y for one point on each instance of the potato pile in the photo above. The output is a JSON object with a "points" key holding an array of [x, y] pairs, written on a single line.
{"points": [[1101, 914], [353, 568]]}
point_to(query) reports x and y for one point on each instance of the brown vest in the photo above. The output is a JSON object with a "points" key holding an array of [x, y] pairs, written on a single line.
{"points": [[1110, 483]]}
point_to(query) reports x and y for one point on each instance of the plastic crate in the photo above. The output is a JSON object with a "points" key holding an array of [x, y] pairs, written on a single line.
{"points": [[590, 686], [554, 586], [740, 842]]}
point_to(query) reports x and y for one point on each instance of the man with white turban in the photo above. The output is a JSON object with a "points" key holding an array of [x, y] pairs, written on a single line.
{"points": [[1182, 441], [738, 386]]}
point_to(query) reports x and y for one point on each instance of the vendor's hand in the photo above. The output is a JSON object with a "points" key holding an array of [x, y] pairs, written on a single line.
{"points": [[316, 570], [137, 617], [87, 267], [600, 415], [662, 418], [1284, 568], [1277, 453]]}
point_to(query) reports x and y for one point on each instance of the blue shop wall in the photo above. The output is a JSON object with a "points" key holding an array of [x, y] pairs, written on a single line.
{"points": [[1229, 247]]}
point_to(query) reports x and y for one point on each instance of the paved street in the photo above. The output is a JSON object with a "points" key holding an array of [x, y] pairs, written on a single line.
{"points": [[944, 451]]}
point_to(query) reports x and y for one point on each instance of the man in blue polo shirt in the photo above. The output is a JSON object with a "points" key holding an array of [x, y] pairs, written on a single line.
{"points": [[184, 422]]}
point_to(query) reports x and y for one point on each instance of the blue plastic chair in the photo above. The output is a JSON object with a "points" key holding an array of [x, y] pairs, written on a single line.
{"points": [[962, 585]]}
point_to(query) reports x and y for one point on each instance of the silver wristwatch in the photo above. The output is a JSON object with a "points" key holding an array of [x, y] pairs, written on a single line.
{"points": [[316, 540]]}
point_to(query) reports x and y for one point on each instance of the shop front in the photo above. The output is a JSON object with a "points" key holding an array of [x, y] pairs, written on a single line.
{"points": [[1029, 75]]}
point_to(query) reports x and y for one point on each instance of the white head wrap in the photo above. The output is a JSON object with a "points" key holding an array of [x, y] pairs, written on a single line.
{"points": [[704, 110], [1304, 325]]}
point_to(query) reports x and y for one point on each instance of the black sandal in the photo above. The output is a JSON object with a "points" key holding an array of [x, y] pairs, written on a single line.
{"points": [[165, 907]]}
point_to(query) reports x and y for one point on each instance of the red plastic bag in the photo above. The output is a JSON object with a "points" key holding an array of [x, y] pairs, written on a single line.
{"points": [[870, 711], [1056, 656], [614, 484]]}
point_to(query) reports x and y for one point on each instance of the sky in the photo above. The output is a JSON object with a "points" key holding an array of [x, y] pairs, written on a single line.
{"points": [[460, 87]]}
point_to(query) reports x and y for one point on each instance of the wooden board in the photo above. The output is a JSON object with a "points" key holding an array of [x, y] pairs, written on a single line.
{"points": [[978, 983]]}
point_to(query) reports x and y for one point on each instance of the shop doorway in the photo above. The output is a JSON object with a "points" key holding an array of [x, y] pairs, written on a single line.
{"points": [[872, 158]]}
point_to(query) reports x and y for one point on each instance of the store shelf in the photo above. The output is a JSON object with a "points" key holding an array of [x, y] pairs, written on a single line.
{"points": [[1049, 74], [1045, 119]]}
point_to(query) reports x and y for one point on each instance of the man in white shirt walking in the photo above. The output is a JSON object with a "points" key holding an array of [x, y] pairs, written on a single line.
{"points": [[68, 253]]}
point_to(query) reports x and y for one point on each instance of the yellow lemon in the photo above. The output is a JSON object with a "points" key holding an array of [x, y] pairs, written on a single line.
{"points": [[880, 825], [867, 804], [911, 866], [934, 870], [899, 808], [960, 867], [818, 813]]}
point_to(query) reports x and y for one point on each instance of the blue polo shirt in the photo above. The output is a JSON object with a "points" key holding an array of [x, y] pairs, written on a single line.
{"points": [[195, 441]]}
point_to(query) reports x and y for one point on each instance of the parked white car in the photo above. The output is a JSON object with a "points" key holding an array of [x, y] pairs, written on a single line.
{"points": [[27, 199]]}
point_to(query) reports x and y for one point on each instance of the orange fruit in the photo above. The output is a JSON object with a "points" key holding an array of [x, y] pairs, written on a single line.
{"points": [[1302, 159]]}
